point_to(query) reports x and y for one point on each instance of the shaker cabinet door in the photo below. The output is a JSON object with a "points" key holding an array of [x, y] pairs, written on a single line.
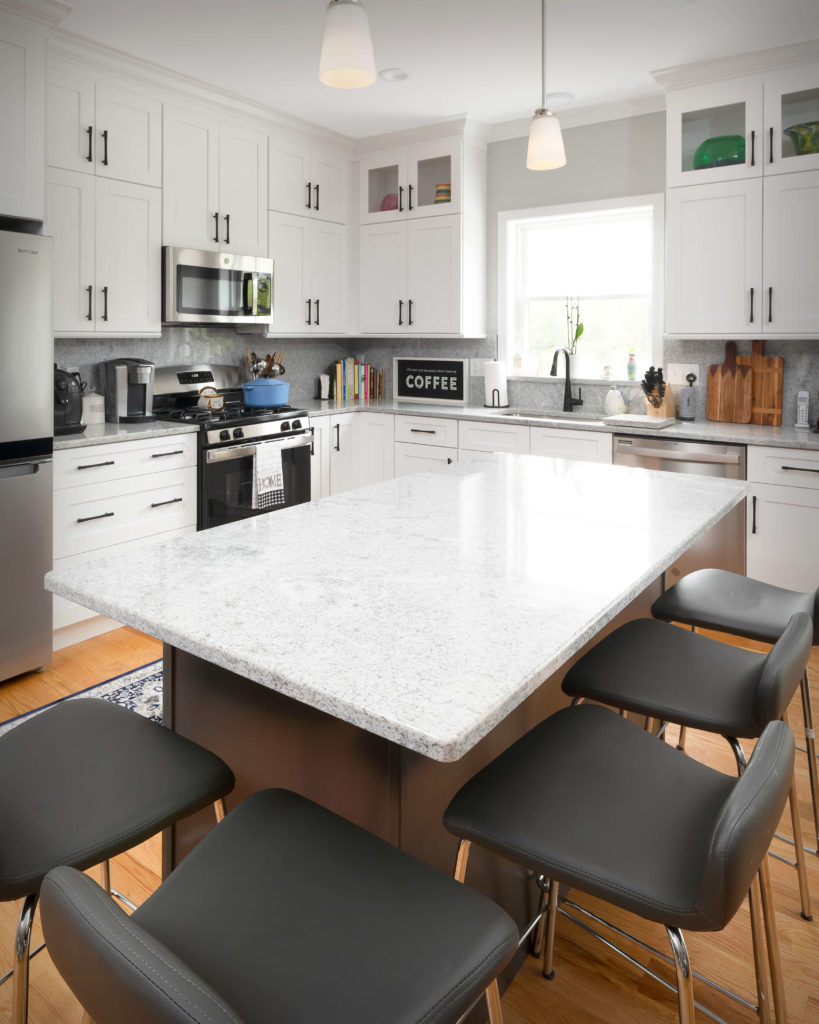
{"points": [[383, 306], [327, 277], [242, 190], [434, 275], [22, 122], [128, 135], [190, 180], [289, 245], [791, 253], [70, 221]]}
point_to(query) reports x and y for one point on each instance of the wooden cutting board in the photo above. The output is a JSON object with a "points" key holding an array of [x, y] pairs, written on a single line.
{"points": [[769, 374], [730, 389]]}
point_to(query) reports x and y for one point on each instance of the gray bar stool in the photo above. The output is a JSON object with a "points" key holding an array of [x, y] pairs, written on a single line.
{"points": [[230, 937], [628, 819], [656, 669], [84, 781]]}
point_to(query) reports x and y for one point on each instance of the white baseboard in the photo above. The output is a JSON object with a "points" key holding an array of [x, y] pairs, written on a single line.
{"points": [[83, 630]]}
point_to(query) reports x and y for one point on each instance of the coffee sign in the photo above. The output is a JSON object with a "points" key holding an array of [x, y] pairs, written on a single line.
{"points": [[430, 380]]}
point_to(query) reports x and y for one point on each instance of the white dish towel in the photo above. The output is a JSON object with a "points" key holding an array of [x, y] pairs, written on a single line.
{"points": [[268, 479]]}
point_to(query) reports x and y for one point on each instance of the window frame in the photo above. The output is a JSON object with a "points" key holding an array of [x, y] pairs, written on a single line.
{"points": [[509, 257]]}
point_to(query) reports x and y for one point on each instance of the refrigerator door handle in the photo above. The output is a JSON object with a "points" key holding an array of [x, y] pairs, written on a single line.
{"points": [[21, 469]]}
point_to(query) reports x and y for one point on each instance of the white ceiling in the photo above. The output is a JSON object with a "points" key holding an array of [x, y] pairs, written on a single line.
{"points": [[474, 57]]}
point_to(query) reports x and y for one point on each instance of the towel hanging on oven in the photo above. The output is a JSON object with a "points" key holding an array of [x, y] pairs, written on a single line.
{"points": [[268, 478]]}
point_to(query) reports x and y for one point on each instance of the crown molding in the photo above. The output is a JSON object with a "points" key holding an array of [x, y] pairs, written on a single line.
{"points": [[580, 117], [472, 132], [737, 65], [47, 12]]}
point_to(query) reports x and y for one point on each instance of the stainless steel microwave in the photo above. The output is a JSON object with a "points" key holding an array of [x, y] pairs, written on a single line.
{"points": [[201, 287]]}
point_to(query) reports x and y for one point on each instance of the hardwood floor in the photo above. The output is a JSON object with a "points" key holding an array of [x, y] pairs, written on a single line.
{"points": [[591, 984]]}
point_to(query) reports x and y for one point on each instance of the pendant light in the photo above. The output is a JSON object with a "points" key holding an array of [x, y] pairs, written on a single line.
{"points": [[546, 151], [347, 59]]}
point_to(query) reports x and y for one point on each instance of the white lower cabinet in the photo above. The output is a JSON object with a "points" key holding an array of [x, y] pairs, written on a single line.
{"points": [[320, 458], [580, 445], [373, 434], [493, 437], [423, 443], [783, 517], [417, 458], [343, 463]]}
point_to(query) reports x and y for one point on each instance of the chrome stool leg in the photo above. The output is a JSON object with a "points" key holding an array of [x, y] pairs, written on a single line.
{"points": [[551, 924], [493, 1003], [810, 744], [799, 851], [757, 930], [685, 979], [772, 942], [22, 943], [536, 948]]}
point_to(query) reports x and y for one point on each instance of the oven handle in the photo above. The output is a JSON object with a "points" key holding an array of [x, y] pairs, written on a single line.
{"points": [[241, 451]]}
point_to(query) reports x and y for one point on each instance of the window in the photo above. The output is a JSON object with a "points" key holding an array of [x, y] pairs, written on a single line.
{"points": [[597, 263]]}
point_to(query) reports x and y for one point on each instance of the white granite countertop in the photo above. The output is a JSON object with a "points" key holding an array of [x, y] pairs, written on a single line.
{"points": [[423, 609], [108, 433]]}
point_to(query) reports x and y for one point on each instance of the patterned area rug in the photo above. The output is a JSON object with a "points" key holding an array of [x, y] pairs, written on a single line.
{"points": [[140, 690]]}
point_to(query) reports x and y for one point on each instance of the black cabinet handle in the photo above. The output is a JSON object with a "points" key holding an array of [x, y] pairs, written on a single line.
{"points": [[170, 501], [400, 312], [400, 198], [753, 147], [752, 305], [96, 465], [318, 323], [753, 514], [338, 437], [316, 204], [770, 305], [419, 430], [409, 207], [309, 319], [88, 519], [227, 229], [88, 315], [216, 226], [164, 455], [770, 146], [105, 303], [309, 203], [449, 462], [409, 321], [800, 469], [90, 131], [312, 440], [105, 147]]}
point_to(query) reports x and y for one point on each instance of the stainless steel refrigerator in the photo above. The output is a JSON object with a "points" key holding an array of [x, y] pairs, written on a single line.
{"points": [[26, 445]]}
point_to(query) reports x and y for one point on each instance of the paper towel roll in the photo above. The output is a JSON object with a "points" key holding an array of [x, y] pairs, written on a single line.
{"points": [[494, 376]]}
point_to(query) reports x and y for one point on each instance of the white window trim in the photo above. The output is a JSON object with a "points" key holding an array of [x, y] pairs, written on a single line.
{"points": [[507, 219]]}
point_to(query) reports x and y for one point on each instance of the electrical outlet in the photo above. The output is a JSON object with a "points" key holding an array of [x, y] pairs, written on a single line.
{"points": [[675, 373], [476, 367]]}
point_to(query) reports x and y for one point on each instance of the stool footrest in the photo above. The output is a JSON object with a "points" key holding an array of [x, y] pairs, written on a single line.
{"points": [[31, 955]]}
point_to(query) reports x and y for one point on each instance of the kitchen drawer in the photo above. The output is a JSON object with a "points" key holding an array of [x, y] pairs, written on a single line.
{"points": [[493, 437], [76, 467], [426, 430], [791, 467], [581, 445], [66, 613], [99, 515], [417, 458]]}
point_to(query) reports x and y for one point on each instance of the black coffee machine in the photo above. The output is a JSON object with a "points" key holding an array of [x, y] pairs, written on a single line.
{"points": [[129, 390], [67, 403]]}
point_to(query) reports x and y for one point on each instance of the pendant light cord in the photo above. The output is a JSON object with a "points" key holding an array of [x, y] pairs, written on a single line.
{"points": [[543, 53]]}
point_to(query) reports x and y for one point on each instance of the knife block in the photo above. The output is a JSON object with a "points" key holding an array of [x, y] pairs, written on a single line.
{"points": [[666, 406]]}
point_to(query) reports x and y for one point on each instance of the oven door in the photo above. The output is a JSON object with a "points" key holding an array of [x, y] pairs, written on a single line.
{"points": [[215, 287], [226, 480]]}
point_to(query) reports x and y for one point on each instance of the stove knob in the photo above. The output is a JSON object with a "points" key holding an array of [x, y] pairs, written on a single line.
{"points": [[295, 425], [284, 425], [238, 432], [224, 435]]}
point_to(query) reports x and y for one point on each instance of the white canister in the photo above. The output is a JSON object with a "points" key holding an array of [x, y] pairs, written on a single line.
{"points": [[614, 403], [93, 408], [495, 394]]}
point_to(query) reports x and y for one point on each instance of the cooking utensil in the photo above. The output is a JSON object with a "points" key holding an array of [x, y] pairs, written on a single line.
{"points": [[768, 374], [266, 393], [209, 398], [730, 389]]}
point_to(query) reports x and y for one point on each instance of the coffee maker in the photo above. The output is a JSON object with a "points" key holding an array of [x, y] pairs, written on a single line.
{"points": [[67, 403], [129, 390]]}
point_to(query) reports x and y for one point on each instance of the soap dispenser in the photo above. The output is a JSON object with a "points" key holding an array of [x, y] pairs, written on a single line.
{"points": [[614, 403], [685, 399]]}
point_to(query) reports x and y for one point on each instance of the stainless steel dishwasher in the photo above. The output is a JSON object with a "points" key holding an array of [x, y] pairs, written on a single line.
{"points": [[723, 547]]}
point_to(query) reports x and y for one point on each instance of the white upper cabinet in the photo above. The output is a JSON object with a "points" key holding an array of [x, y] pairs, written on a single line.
{"points": [[307, 181], [422, 179], [103, 128], [22, 120], [790, 253], [214, 184]]}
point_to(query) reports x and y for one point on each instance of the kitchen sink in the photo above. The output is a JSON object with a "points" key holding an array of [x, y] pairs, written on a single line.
{"points": [[555, 417]]}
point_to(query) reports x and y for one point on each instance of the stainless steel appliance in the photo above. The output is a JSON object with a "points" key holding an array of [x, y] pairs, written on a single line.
{"points": [[67, 403], [129, 390], [723, 547], [234, 441], [215, 287], [26, 444]]}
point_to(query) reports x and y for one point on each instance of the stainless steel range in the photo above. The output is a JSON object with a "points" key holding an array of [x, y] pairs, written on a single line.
{"points": [[251, 460]]}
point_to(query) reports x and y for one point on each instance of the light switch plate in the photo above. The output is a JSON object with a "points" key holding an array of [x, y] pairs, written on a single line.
{"points": [[675, 373]]}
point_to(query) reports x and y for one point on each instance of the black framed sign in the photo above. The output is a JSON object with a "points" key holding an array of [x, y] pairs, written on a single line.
{"points": [[430, 380]]}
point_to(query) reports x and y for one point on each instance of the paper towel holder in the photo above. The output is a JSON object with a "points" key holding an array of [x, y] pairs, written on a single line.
{"points": [[496, 402], [495, 397]]}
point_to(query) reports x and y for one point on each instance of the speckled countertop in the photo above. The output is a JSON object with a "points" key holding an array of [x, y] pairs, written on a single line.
{"points": [[108, 433], [422, 609]]}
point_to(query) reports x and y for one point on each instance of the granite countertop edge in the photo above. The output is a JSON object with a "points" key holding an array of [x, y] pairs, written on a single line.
{"points": [[111, 433]]}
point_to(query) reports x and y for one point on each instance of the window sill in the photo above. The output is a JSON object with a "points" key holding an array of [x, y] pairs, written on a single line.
{"points": [[547, 378]]}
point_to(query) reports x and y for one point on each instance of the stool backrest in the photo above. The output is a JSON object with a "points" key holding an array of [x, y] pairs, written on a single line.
{"points": [[746, 824], [119, 972], [783, 668]]}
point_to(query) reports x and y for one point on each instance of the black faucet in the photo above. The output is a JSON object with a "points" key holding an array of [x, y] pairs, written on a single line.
{"points": [[568, 402]]}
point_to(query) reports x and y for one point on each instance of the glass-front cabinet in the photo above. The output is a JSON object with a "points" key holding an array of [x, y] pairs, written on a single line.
{"points": [[792, 120], [420, 180]]}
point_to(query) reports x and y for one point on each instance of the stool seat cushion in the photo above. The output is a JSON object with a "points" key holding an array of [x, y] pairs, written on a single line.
{"points": [[86, 780], [593, 801], [716, 599], [654, 668]]}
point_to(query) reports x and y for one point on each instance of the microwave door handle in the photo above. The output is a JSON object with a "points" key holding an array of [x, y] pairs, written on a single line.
{"points": [[254, 287]]}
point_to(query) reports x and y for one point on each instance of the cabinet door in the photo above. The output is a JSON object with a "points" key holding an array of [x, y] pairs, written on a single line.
{"points": [[343, 464], [70, 220], [791, 253], [70, 135], [383, 304], [434, 178], [22, 122], [128, 228], [580, 445], [320, 458], [327, 277], [190, 180], [493, 437], [418, 458], [783, 523], [243, 190], [289, 177], [713, 258], [434, 275], [791, 99], [382, 178], [374, 434], [289, 248], [132, 148], [328, 175]]}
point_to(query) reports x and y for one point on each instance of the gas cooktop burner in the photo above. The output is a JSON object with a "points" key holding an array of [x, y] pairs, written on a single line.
{"points": [[231, 413]]}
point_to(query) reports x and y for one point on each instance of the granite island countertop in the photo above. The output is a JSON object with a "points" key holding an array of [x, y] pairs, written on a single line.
{"points": [[423, 609]]}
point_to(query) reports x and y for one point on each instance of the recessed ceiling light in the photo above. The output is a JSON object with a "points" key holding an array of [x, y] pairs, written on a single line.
{"points": [[393, 74]]}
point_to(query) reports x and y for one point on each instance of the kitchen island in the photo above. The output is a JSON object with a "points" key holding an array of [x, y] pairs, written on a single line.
{"points": [[374, 649]]}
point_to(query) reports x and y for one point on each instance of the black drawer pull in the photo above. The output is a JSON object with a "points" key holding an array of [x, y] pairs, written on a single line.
{"points": [[170, 501], [105, 148], [770, 305], [90, 157], [309, 203], [317, 322], [400, 312], [105, 303], [102, 515], [163, 455], [419, 430], [752, 305], [800, 469], [770, 148], [227, 229], [309, 319], [96, 465], [400, 198], [410, 320], [410, 206], [753, 148], [316, 204], [216, 226], [89, 315], [449, 462], [753, 509], [338, 437]]}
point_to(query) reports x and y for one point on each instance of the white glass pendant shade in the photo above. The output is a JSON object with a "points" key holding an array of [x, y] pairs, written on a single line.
{"points": [[546, 151], [347, 59]]}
